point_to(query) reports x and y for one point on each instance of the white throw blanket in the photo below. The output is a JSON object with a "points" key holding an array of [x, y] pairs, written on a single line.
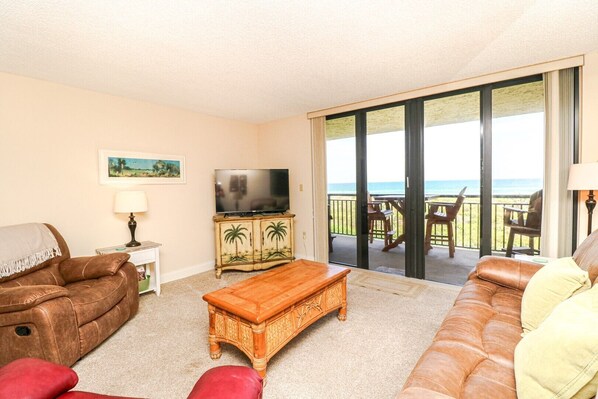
{"points": [[24, 246]]}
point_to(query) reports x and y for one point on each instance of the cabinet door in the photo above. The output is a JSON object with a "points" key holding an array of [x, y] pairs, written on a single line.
{"points": [[236, 242], [277, 235]]}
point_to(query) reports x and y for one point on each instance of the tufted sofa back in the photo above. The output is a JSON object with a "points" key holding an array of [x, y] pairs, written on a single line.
{"points": [[586, 255]]}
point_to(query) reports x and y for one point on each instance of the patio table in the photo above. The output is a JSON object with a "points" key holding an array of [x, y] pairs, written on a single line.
{"points": [[397, 202]]}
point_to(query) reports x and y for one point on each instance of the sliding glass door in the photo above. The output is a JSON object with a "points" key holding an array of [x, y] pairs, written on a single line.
{"points": [[517, 167], [366, 189], [452, 186], [385, 144], [341, 150], [427, 186]]}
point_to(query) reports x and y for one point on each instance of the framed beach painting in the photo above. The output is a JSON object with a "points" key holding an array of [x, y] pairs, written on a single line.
{"points": [[140, 168]]}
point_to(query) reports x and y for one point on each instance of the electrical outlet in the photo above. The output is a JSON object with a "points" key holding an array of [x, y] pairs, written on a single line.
{"points": [[304, 236], [300, 187]]}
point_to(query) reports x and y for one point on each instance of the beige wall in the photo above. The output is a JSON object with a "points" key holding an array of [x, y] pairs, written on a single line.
{"points": [[49, 140], [588, 132], [50, 135], [287, 144]]}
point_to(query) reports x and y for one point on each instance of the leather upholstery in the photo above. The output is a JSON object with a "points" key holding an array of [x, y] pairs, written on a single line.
{"points": [[471, 355], [31, 378], [65, 307], [35, 379], [586, 255], [89, 267], [226, 382]]}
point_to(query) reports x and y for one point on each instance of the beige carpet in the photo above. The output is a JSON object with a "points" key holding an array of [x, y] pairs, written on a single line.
{"points": [[164, 349]]}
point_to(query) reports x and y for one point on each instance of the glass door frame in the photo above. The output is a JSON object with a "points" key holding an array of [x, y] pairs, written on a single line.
{"points": [[414, 173]]}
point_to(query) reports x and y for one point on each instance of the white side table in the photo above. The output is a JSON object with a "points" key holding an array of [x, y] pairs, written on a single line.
{"points": [[146, 255]]}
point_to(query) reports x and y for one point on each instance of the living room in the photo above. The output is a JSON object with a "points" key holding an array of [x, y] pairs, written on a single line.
{"points": [[52, 128]]}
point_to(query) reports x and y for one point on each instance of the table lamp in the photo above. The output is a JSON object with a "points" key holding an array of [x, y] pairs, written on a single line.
{"points": [[584, 176], [130, 202]]}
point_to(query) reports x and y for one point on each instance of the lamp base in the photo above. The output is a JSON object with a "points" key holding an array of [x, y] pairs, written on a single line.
{"points": [[590, 204], [132, 227]]}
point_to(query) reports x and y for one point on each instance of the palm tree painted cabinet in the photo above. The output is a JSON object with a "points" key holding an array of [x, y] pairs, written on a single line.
{"points": [[254, 242]]}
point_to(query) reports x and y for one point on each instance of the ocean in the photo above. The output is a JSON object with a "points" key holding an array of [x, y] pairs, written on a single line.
{"points": [[446, 187]]}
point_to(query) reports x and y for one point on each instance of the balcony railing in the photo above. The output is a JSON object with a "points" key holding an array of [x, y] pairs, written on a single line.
{"points": [[467, 223]]}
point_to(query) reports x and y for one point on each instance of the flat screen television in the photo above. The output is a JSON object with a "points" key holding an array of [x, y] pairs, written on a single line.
{"points": [[249, 191]]}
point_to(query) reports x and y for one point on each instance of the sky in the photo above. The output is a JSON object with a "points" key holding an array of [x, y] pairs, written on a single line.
{"points": [[452, 152]]}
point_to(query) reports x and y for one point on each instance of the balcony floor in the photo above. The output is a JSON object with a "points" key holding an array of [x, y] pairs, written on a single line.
{"points": [[439, 267]]}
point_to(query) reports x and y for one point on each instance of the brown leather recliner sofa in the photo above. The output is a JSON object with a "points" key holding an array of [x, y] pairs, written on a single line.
{"points": [[472, 354], [64, 307]]}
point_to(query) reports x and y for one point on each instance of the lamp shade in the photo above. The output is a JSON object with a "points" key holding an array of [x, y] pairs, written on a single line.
{"points": [[583, 176], [130, 202]]}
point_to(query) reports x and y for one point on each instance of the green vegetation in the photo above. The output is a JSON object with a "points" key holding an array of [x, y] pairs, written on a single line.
{"points": [[235, 235], [118, 167], [276, 232], [467, 227]]}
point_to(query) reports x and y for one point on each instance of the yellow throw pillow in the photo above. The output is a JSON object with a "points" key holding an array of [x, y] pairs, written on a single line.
{"points": [[560, 358], [552, 284]]}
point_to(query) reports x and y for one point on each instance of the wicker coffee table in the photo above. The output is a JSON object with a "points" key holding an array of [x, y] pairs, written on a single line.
{"points": [[261, 314]]}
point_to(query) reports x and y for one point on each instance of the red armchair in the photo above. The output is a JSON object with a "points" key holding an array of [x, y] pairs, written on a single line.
{"points": [[31, 378]]}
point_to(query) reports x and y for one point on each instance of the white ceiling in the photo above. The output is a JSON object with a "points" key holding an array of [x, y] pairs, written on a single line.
{"points": [[257, 60]]}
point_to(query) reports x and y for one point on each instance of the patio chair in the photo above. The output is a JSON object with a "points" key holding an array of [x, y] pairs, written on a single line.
{"points": [[443, 214], [379, 220], [331, 237], [526, 223]]}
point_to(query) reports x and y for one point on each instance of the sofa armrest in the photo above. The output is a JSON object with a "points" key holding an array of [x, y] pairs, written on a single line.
{"points": [[35, 379], [90, 267], [419, 392], [15, 299], [224, 382], [508, 272]]}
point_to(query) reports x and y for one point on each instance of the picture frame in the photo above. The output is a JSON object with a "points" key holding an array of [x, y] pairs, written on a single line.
{"points": [[128, 167]]}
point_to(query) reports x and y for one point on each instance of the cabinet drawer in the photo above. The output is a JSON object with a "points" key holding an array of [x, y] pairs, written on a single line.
{"points": [[143, 257]]}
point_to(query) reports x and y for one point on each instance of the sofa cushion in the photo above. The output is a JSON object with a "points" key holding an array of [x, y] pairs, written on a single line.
{"points": [[93, 298], [90, 267], [226, 382], [472, 353], [49, 275], [552, 284], [35, 379], [559, 358], [586, 255], [15, 299], [511, 273], [459, 371]]}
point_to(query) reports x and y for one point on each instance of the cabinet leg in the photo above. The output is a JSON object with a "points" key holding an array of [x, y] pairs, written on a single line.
{"points": [[259, 360], [215, 350], [218, 272], [342, 312]]}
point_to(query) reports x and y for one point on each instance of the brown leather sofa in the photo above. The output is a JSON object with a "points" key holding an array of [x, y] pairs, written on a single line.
{"points": [[64, 307], [471, 355]]}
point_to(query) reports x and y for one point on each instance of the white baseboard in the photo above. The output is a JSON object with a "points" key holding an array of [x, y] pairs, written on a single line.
{"points": [[302, 256], [187, 272]]}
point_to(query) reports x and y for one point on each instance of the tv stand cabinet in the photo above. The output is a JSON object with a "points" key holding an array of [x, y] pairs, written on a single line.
{"points": [[253, 242]]}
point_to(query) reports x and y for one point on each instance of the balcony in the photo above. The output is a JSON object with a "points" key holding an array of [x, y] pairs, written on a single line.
{"points": [[439, 267]]}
